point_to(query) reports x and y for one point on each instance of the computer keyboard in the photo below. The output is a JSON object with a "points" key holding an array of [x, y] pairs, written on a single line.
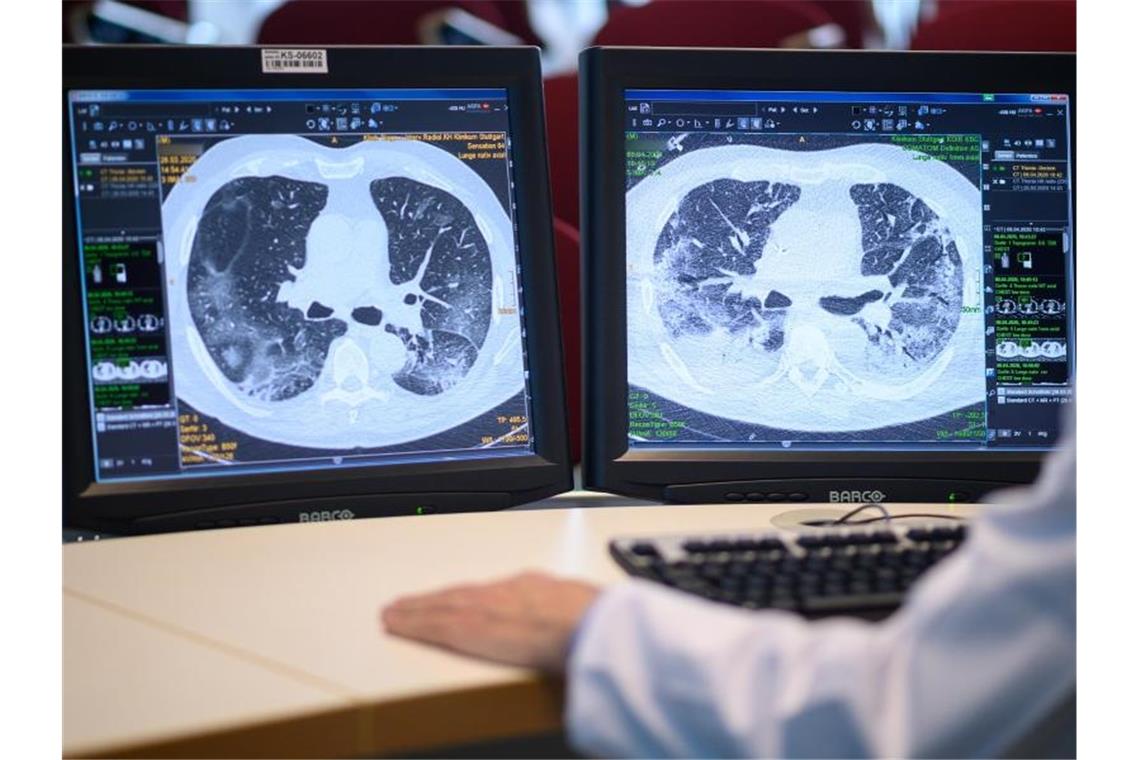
{"points": [[863, 572]]}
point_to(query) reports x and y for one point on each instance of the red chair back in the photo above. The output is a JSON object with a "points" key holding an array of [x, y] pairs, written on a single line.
{"points": [[561, 94], [568, 267], [710, 23], [517, 20], [1021, 25], [853, 16], [350, 22]]}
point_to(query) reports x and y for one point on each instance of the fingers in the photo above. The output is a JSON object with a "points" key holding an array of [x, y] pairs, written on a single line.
{"points": [[525, 620], [439, 616], [440, 626], [472, 594], [453, 596]]}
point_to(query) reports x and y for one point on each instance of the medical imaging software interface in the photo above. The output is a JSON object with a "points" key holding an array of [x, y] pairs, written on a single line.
{"points": [[283, 280], [848, 270]]}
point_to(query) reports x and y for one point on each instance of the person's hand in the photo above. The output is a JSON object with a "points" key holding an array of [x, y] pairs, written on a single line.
{"points": [[526, 620]]}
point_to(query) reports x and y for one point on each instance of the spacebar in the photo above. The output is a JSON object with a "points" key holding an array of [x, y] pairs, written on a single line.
{"points": [[853, 602]]}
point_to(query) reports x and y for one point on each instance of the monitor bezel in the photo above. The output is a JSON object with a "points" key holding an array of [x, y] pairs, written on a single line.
{"points": [[606, 73], [386, 489]]}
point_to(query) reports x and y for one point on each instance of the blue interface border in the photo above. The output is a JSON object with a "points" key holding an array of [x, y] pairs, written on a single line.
{"points": [[834, 96], [200, 95], [291, 93]]}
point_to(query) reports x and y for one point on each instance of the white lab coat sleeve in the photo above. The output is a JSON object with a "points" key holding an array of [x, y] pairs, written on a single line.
{"points": [[983, 648]]}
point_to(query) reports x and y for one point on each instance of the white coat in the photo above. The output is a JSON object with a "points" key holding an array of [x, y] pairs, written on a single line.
{"points": [[984, 647]]}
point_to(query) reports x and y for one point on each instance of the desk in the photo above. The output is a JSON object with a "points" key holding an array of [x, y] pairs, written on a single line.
{"points": [[265, 641]]}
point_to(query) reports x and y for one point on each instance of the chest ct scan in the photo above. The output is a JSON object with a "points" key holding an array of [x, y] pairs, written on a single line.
{"points": [[340, 297], [807, 290]]}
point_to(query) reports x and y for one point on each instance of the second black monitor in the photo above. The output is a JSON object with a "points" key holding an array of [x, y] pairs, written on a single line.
{"points": [[817, 274]]}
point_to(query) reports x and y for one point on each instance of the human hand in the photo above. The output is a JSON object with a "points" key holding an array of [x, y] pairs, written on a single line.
{"points": [[524, 620]]}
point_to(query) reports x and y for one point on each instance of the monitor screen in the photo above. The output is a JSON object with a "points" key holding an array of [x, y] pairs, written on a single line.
{"points": [[283, 280], [848, 270]]}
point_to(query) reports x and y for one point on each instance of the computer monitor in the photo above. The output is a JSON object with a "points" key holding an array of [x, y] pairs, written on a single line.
{"points": [[306, 284], [825, 276]]}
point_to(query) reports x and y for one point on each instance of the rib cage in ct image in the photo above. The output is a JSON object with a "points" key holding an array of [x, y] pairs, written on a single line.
{"points": [[826, 290], [339, 298]]}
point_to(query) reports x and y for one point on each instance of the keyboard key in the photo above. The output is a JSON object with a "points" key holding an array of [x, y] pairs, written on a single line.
{"points": [[643, 549], [783, 602], [833, 604]]}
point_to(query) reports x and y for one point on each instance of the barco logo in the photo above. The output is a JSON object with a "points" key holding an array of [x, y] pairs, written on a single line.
{"points": [[849, 497], [326, 515]]}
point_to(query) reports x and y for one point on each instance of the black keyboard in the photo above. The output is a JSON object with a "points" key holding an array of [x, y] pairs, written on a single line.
{"points": [[862, 572]]}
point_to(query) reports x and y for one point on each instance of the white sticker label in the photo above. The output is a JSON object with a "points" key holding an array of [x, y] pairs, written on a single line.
{"points": [[294, 61]]}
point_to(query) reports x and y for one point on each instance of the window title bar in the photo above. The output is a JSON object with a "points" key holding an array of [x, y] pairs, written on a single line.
{"points": [[156, 96], [827, 96]]}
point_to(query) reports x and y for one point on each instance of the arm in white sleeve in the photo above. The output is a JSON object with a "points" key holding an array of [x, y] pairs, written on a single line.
{"points": [[983, 648]]}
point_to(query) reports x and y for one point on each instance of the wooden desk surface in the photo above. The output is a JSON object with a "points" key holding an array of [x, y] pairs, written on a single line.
{"points": [[265, 641]]}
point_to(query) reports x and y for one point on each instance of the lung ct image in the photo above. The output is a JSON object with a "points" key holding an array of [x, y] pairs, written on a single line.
{"points": [[328, 312], [810, 292]]}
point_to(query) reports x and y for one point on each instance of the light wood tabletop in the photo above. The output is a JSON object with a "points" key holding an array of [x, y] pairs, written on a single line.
{"points": [[264, 641]]}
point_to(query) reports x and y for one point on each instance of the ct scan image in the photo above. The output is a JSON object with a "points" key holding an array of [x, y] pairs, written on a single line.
{"points": [[340, 298], [782, 292]]}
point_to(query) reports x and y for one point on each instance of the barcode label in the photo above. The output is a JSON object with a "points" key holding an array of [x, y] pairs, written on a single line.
{"points": [[294, 61]]}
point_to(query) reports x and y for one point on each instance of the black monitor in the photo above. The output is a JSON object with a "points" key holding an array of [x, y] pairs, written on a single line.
{"points": [[825, 276], [306, 284]]}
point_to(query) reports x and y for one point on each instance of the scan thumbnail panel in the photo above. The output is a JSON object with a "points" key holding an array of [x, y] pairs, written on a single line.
{"points": [[783, 289], [357, 299]]}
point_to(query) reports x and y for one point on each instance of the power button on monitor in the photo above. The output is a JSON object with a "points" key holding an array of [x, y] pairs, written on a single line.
{"points": [[734, 496]]}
